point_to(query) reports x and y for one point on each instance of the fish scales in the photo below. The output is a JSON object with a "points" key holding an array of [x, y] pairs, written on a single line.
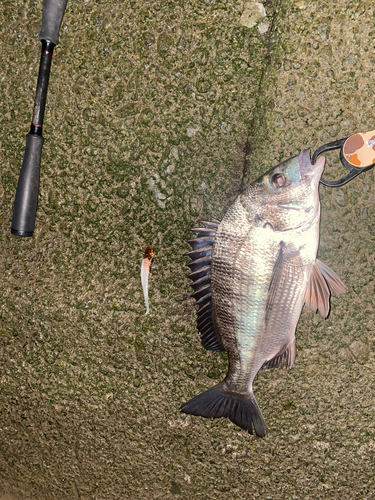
{"points": [[263, 269], [248, 277]]}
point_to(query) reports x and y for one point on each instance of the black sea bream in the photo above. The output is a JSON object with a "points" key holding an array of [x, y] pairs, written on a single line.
{"points": [[252, 273]]}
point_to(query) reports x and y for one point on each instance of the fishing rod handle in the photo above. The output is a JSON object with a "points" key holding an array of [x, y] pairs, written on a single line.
{"points": [[52, 14], [26, 200], [41, 88]]}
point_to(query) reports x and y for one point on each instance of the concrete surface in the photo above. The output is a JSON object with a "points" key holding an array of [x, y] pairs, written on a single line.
{"points": [[157, 114]]}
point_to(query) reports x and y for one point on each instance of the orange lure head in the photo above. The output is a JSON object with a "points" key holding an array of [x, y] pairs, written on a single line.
{"points": [[149, 253]]}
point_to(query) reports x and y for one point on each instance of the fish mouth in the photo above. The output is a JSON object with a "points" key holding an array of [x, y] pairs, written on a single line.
{"points": [[307, 169]]}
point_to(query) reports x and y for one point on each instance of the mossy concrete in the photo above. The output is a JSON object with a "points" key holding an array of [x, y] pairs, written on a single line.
{"points": [[158, 113]]}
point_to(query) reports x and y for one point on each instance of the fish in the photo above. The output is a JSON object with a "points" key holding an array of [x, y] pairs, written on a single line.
{"points": [[252, 273], [147, 261]]}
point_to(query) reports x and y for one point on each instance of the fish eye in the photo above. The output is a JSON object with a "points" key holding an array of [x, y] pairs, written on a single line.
{"points": [[278, 180]]}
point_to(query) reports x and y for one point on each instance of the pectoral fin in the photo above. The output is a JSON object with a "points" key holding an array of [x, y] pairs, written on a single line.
{"points": [[283, 291], [323, 281]]}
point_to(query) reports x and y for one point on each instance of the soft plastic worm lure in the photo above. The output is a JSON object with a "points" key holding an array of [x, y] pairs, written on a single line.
{"points": [[148, 258]]}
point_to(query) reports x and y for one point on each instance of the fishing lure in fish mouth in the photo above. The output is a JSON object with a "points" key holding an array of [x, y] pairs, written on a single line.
{"points": [[147, 261], [251, 275], [357, 154]]}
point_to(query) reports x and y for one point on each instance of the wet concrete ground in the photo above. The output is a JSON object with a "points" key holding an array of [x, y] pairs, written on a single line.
{"points": [[158, 113]]}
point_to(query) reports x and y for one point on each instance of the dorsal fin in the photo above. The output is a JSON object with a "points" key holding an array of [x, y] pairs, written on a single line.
{"points": [[201, 282]]}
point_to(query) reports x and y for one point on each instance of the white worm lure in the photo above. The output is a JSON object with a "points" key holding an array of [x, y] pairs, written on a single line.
{"points": [[148, 257]]}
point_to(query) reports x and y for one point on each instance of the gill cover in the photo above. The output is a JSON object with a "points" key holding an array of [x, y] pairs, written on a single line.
{"points": [[286, 197]]}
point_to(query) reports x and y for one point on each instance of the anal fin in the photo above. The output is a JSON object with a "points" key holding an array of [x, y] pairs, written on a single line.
{"points": [[284, 358]]}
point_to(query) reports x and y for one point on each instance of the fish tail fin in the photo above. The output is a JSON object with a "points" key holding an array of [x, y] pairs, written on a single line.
{"points": [[241, 410]]}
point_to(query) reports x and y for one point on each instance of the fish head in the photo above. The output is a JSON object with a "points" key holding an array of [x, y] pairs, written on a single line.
{"points": [[287, 196]]}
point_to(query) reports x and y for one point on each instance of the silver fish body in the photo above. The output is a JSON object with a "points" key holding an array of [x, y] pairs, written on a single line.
{"points": [[252, 273]]}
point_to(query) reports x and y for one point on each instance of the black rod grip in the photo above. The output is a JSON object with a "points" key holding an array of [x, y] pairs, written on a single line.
{"points": [[26, 200], [42, 85], [52, 14]]}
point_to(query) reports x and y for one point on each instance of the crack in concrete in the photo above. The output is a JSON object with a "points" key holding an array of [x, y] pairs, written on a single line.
{"points": [[250, 145]]}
